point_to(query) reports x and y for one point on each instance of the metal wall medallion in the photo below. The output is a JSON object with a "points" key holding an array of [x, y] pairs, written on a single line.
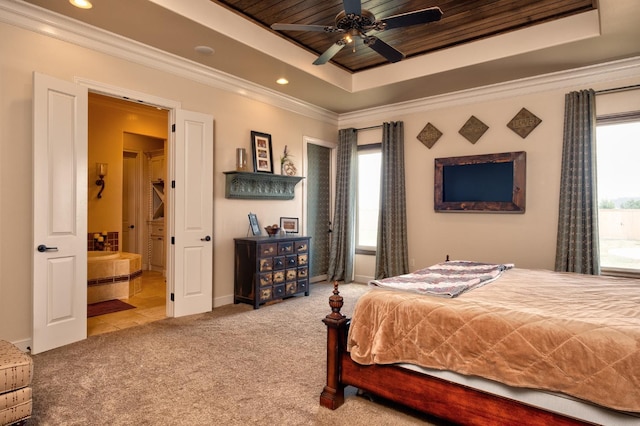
{"points": [[523, 123], [429, 135], [473, 129]]}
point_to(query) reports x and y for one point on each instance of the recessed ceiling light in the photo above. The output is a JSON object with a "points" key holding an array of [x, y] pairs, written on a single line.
{"points": [[204, 50], [282, 80], [82, 4]]}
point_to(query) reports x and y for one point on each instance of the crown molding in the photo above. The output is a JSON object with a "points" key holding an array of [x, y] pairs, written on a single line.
{"points": [[50, 24], [601, 74]]}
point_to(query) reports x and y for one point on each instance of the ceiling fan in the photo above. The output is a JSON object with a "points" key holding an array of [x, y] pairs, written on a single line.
{"points": [[354, 21]]}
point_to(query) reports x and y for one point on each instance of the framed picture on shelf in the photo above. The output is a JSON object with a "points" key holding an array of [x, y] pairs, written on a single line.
{"points": [[253, 224], [289, 224], [262, 153]]}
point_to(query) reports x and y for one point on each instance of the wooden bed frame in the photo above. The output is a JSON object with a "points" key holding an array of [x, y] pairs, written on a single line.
{"points": [[437, 397]]}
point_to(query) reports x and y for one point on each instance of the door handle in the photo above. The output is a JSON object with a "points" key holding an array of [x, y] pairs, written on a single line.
{"points": [[207, 238], [42, 248], [131, 226]]}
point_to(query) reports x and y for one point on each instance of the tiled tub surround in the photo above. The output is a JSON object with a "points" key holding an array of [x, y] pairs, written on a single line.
{"points": [[113, 275], [112, 238]]}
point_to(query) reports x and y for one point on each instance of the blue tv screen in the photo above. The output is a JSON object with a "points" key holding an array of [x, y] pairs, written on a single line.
{"points": [[481, 183], [478, 182]]}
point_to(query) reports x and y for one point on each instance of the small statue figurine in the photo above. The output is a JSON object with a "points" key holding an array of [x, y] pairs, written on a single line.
{"points": [[286, 165]]}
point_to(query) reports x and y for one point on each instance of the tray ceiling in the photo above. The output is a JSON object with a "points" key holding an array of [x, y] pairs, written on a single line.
{"points": [[462, 22]]}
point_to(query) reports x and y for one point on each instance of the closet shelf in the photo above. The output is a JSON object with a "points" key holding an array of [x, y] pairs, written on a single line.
{"points": [[260, 186]]}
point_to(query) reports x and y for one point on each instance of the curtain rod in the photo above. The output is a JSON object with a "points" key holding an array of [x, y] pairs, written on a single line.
{"points": [[618, 89], [370, 128]]}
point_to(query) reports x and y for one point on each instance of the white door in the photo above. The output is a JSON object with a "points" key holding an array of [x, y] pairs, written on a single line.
{"points": [[192, 203], [59, 213], [130, 197]]}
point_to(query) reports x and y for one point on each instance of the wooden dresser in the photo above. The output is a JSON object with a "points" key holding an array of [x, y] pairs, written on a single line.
{"points": [[270, 268]]}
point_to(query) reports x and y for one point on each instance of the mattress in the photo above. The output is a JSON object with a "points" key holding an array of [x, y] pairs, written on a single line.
{"points": [[569, 333]]}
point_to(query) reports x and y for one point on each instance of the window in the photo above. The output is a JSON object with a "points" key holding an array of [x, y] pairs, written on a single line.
{"points": [[368, 201], [618, 174]]}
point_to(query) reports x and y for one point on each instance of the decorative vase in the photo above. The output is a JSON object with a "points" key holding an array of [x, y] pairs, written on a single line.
{"points": [[241, 160]]}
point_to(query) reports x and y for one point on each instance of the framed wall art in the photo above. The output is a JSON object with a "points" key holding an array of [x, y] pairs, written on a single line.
{"points": [[262, 153], [253, 224], [289, 224]]}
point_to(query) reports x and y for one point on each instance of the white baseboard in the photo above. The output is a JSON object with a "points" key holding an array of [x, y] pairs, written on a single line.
{"points": [[23, 345], [221, 301], [362, 279]]}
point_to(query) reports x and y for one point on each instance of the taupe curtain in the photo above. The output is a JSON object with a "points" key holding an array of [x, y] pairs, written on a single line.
{"points": [[392, 252], [343, 236], [577, 247]]}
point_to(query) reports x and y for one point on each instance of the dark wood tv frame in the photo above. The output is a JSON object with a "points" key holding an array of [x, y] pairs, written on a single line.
{"points": [[517, 203], [430, 395]]}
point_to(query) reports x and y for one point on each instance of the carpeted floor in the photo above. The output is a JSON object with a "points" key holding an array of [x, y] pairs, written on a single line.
{"points": [[231, 366], [107, 307]]}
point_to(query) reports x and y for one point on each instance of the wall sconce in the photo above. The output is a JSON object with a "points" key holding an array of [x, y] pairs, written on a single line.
{"points": [[101, 171]]}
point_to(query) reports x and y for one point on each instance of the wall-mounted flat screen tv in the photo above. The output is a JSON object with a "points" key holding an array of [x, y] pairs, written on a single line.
{"points": [[481, 183]]}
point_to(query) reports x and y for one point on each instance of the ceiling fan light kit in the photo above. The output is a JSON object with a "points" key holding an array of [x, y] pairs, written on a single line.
{"points": [[354, 22]]}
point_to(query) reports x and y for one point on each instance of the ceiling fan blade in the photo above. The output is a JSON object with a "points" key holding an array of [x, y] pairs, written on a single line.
{"points": [[296, 27], [352, 6], [422, 16], [330, 52], [391, 53]]}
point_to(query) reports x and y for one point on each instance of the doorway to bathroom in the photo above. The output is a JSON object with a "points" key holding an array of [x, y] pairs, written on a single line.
{"points": [[131, 138], [64, 182]]}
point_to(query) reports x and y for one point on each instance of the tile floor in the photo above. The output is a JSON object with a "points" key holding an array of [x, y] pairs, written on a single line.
{"points": [[149, 303]]}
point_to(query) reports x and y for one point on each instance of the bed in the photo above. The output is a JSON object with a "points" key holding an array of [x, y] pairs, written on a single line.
{"points": [[527, 347]]}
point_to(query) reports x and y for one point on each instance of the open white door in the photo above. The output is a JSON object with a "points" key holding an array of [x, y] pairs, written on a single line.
{"points": [[192, 198], [59, 213]]}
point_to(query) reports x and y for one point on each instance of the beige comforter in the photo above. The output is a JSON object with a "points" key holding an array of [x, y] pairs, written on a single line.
{"points": [[569, 333]]}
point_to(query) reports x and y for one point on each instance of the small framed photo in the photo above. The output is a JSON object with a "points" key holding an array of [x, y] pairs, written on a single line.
{"points": [[289, 224], [262, 153], [253, 224]]}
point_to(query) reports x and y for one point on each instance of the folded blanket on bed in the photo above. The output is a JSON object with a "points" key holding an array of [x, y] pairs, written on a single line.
{"points": [[447, 279]]}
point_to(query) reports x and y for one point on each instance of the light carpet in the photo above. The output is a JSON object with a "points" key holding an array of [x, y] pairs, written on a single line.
{"points": [[232, 366]]}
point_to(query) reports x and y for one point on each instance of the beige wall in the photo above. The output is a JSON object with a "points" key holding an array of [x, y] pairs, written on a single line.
{"points": [[528, 239], [234, 117]]}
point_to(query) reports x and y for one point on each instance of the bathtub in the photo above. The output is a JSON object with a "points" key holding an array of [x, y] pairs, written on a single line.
{"points": [[102, 255], [113, 275]]}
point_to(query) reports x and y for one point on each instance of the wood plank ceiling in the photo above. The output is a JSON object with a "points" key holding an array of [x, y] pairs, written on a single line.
{"points": [[463, 21]]}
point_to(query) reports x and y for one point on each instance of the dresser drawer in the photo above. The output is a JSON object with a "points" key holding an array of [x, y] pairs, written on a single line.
{"points": [[278, 277], [265, 279], [303, 272], [266, 293], [285, 247], [291, 274], [278, 262], [302, 247], [291, 261], [303, 285], [266, 264], [303, 259], [278, 291], [291, 288], [267, 249]]}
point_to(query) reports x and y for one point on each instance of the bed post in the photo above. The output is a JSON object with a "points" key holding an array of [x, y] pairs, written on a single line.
{"points": [[332, 395]]}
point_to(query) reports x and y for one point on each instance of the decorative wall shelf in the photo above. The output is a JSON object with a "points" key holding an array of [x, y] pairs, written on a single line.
{"points": [[260, 186]]}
